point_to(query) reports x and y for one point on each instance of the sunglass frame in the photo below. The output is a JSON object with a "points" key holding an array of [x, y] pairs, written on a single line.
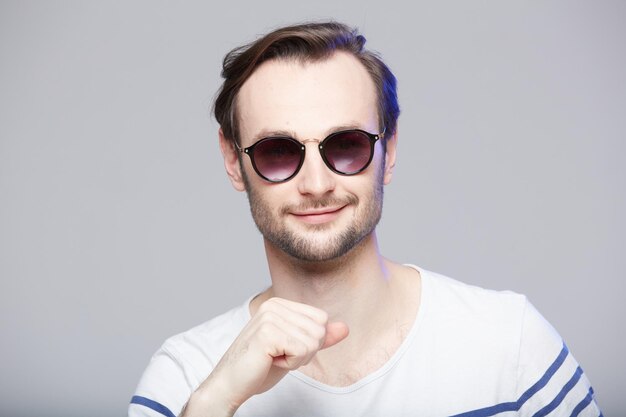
{"points": [[372, 137]]}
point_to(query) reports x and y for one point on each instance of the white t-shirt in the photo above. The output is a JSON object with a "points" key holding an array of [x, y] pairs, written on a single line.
{"points": [[470, 352]]}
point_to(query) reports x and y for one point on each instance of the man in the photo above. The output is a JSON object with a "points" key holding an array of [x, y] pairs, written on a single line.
{"points": [[308, 129]]}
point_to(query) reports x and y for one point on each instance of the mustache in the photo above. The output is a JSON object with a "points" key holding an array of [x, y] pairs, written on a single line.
{"points": [[316, 203]]}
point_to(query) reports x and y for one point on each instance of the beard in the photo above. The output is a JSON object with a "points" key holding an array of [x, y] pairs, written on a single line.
{"points": [[317, 242]]}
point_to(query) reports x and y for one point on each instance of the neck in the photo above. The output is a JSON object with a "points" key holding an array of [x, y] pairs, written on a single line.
{"points": [[376, 298], [347, 288]]}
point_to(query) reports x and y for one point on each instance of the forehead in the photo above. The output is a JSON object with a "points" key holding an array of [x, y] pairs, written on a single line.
{"points": [[307, 98]]}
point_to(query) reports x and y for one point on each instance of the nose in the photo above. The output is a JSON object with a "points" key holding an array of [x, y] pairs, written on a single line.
{"points": [[314, 178]]}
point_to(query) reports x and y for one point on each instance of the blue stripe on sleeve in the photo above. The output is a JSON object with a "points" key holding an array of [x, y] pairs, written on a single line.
{"points": [[159, 408], [584, 403], [559, 398], [516, 405]]}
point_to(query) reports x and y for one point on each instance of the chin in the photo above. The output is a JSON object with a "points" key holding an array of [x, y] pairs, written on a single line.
{"points": [[323, 247]]}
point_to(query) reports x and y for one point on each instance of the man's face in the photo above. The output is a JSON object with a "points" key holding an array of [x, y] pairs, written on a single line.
{"points": [[317, 215]]}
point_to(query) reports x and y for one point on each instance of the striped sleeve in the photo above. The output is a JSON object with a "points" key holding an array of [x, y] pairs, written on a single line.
{"points": [[183, 362], [549, 380], [164, 388]]}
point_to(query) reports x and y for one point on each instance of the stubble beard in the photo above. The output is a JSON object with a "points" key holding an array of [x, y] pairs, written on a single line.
{"points": [[312, 244]]}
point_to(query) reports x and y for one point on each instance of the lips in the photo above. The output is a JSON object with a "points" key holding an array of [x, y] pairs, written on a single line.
{"points": [[318, 215], [315, 212]]}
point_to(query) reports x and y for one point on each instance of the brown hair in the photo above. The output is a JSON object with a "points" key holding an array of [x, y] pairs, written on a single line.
{"points": [[305, 42]]}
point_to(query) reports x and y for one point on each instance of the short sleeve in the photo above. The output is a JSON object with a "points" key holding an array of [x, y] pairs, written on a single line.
{"points": [[183, 362], [164, 388], [550, 380]]}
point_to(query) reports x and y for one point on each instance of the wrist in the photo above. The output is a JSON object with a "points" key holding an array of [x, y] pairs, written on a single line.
{"points": [[209, 401]]}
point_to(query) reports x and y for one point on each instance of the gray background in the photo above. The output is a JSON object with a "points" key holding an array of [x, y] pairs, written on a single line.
{"points": [[118, 227]]}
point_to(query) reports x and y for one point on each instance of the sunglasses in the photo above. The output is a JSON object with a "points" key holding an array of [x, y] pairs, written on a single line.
{"points": [[279, 158]]}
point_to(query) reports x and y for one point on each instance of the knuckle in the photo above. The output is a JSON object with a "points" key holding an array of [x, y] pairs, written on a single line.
{"points": [[267, 316], [319, 333], [323, 317], [265, 306], [273, 301], [266, 331], [270, 304]]}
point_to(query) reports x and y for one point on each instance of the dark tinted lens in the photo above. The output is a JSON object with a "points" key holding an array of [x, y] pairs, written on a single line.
{"points": [[277, 158], [348, 152]]}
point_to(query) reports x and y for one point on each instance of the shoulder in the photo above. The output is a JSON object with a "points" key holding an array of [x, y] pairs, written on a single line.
{"points": [[460, 300], [504, 336], [184, 361], [209, 340], [472, 325], [474, 312], [505, 314]]}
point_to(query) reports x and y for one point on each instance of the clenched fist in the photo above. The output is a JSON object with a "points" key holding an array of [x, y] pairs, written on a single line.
{"points": [[282, 336]]}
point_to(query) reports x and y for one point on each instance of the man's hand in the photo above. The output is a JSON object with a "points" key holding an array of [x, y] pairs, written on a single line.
{"points": [[282, 336]]}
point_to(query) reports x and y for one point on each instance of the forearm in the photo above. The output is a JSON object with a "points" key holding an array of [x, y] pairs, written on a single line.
{"points": [[208, 401]]}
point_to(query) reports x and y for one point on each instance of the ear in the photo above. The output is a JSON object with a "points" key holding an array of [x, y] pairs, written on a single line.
{"points": [[390, 156], [231, 161]]}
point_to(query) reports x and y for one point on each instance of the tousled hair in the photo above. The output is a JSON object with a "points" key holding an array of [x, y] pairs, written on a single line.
{"points": [[307, 42]]}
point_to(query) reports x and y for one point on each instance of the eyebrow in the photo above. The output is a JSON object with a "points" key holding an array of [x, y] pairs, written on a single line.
{"points": [[265, 133]]}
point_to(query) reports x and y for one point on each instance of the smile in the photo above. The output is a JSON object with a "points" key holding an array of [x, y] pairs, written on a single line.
{"points": [[318, 216]]}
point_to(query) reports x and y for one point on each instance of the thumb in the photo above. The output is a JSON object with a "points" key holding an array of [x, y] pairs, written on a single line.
{"points": [[335, 333]]}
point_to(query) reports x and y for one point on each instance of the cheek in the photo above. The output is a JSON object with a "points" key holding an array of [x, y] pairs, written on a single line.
{"points": [[265, 199]]}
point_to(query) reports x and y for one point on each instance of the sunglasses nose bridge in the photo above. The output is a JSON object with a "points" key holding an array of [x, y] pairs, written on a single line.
{"points": [[319, 146], [304, 142], [314, 177]]}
